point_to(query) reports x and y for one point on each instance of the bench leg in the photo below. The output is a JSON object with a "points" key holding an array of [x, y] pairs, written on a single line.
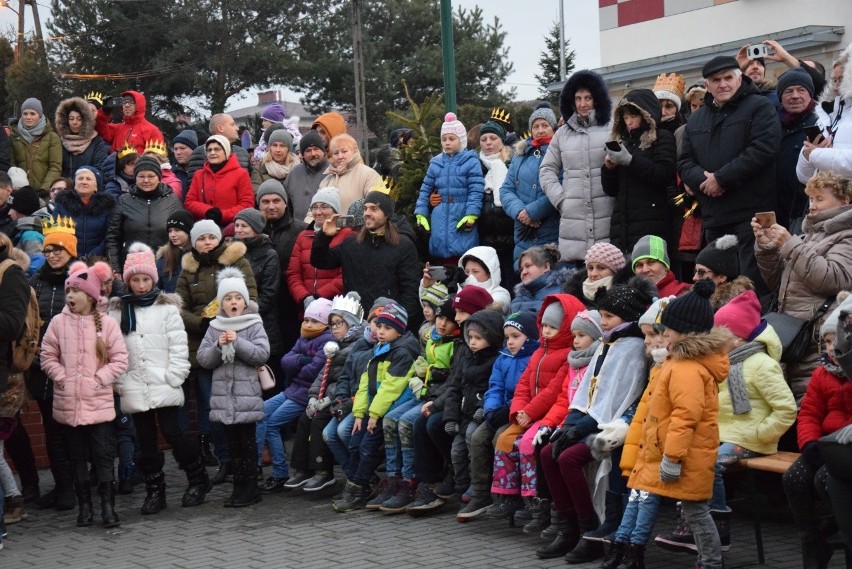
{"points": [[758, 530]]}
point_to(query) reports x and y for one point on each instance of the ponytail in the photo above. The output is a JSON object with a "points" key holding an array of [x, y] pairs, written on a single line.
{"points": [[100, 345]]}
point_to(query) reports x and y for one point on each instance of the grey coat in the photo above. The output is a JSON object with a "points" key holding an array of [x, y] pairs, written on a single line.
{"points": [[236, 396]]}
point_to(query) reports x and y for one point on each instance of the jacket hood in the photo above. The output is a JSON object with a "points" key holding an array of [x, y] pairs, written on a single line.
{"points": [[141, 105], [644, 102], [571, 305], [488, 257], [830, 220], [164, 298], [229, 255], [770, 339], [726, 291], [333, 123], [709, 349], [81, 106], [491, 322], [595, 84], [845, 85]]}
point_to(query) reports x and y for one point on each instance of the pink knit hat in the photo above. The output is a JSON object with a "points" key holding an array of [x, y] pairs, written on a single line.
{"points": [[606, 254], [319, 310], [88, 279], [140, 259], [741, 315], [453, 126]]}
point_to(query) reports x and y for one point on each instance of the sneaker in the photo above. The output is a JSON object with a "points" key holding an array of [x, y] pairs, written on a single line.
{"points": [[527, 512], [385, 490], [446, 490], [354, 498], [504, 507], [426, 501], [273, 484], [319, 481], [681, 538], [401, 499], [468, 495], [297, 480], [477, 505]]}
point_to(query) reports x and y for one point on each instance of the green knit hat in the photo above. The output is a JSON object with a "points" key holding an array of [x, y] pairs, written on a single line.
{"points": [[651, 247]]}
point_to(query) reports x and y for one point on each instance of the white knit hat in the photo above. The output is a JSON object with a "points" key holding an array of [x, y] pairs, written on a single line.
{"points": [[231, 279], [204, 227], [453, 126]]}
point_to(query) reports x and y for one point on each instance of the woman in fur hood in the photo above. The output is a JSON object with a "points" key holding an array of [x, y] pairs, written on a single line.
{"points": [[81, 145]]}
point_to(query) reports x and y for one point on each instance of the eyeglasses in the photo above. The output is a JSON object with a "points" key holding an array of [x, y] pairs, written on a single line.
{"points": [[53, 251], [320, 207], [211, 149], [703, 272], [146, 176], [337, 323]]}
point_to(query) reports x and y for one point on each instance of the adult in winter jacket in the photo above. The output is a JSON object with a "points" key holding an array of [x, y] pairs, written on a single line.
{"points": [[727, 157], [81, 145], [278, 161], [142, 213], [91, 209], [35, 146], [133, 130], [222, 188], [117, 172], [15, 293], [809, 269], [224, 125], [639, 174], [539, 278], [494, 225], [577, 153], [524, 200], [347, 172], [304, 180], [482, 268]]}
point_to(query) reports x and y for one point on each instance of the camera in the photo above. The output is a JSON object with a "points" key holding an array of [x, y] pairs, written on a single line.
{"points": [[758, 51]]}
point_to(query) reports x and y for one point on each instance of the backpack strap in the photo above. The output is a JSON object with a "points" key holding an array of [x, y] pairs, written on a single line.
{"points": [[5, 264]]}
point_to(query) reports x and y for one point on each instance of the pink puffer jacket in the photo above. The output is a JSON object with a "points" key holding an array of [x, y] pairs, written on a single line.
{"points": [[83, 386]]}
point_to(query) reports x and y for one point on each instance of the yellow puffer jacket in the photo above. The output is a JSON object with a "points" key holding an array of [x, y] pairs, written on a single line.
{"points": [[634, 433]]}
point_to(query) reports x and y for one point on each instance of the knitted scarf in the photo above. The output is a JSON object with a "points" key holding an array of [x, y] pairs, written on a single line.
{"points": [[279, 171], [77, 143], [539, 142], [129, 302], [591, 287], [496, 174], [235, 323], [736, 380], [579, 359], [33, 132], [340, 170]]}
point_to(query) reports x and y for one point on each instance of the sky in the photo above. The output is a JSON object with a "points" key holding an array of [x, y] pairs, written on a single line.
{"points": [[526, 24]]}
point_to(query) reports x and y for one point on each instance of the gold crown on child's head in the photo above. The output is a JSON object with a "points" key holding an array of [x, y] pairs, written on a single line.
{"points": [[125, 150], [61, 224], [156, 147]]}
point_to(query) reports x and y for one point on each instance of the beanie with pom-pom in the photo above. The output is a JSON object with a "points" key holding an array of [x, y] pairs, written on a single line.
{"points": [[88, 279], [691, 312], [721, 256], [453, 125], [140, 259], [231, 279]]}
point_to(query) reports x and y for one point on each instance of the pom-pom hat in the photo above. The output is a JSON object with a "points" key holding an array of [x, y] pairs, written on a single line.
{"points": [[453, 126], [721, 256], [691, 312], [228, 280], [140, 259], [628, 301]]}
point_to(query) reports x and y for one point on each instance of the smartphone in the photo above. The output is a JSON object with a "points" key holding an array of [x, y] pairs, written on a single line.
{"points": [[766, 219], [758, 51], [438, 273], [613, 145], [812, 132], [346, 221]]}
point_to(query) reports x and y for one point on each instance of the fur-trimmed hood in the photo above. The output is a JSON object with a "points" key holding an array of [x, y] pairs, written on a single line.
{"points": [[228, 256], [726, 291], [696, 346], [81, 106], [595, 84], [646, 104], [99, 203], [171, 298], [827, 95]]}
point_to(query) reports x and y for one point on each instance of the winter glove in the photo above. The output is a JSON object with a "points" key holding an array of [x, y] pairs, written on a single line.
{"points": [[214, 214], [434, 199], [466, 223], [305, 360], [562, 438], [421, 366], [669, 471], [498, 417], [341, 409], [542, 436], [811, 454], [307, 302], [844, 435], [479, 416], [622, 157], [612, 435], [423, 222], [311, 409], [415, 384], [451, 428], [323, 403]]}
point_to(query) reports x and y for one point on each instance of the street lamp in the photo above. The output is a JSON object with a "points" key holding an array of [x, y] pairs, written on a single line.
{"points": [[19, 46]]}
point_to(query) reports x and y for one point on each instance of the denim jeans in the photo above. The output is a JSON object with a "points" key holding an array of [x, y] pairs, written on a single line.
{"points": [[8, 485], [405, 429], [728, 454], [697, 514], [365, 452], [336, 435], [393, 444], [639, 518], [277, 412]]}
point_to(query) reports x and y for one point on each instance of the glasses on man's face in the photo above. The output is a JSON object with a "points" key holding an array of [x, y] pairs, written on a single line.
{"points": [[53, 251], [337, 323], [703, 273], [320, 207]]}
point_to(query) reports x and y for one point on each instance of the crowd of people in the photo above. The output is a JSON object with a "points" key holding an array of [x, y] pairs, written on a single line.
{"points": [[602, 319]]}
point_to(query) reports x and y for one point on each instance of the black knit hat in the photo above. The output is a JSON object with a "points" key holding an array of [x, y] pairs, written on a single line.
{"points": [[795, 76], [311, 138], [691, 312], [628, 301], [721, 256], [181, 219], [149, 164], [447, 310], [382, 200], [24, 200]]}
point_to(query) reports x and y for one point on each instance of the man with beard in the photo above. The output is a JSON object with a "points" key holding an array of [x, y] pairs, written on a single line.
{"points": [[304, 180]]}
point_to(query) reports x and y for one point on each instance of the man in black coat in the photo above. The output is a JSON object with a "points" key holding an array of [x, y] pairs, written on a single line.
{"points": [[15, 292], [727, 157], [7, 224]]}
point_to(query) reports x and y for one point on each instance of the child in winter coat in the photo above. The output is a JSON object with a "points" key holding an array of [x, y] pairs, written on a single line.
{"points": [[613, 381], [431, 298], [521, 336], [233, 346], [537, 391], [450, 198], [83, 353], [383, 386], [151, 388], [680, 435], [301, 366]]}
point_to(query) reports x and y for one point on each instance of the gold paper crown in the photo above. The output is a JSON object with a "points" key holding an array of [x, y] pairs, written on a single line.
{"points": [[156, 147], [382, 186], [527, 134], [125, 150], [96, 96], [59, 225], [502, 115], [389, 182], [673, 83]]}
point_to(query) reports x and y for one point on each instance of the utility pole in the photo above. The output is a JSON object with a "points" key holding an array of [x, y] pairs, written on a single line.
{"points": [[562, 65], [449, 55], [19, 47], [360, 94]]}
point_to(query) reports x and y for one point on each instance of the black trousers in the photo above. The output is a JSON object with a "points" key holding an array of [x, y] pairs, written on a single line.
{"points": [[310, 453], [91, 442], [184, 450], [242, 444]]}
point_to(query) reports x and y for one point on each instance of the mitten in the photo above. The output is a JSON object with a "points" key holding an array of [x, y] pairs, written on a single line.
{"points": [[423, 222], [451, 428], [622, 157], [844, 435], [669, 471], [479, 415], [811, 454], [322, 403], [466, 223], [214, 214], [434, 199], [311, 409], [343, 409], [421, 366], [542, 436], [307, 302], [498, 417], [415, 384], [612, 435]]}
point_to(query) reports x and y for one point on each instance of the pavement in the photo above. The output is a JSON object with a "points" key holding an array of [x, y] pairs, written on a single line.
{"points": [[296, 529]]}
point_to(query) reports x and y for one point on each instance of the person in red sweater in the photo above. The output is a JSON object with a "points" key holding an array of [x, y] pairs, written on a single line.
{"points": [[222, 188], [134, 129]]}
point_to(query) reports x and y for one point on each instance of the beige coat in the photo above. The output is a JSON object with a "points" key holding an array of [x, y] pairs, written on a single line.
{"points": [[353, 184]]}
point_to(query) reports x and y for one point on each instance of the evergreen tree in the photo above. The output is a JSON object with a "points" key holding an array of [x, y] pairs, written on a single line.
{"points": [[548, 62]]}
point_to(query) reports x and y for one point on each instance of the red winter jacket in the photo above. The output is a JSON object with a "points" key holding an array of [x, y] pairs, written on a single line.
{"points": [[826, 407], [229, 189], [306, 280], [670, 286], [135, 130], [541, 383]]}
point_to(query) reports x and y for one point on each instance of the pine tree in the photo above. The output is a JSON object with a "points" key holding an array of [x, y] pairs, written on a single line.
{"points": [[548, 62]]}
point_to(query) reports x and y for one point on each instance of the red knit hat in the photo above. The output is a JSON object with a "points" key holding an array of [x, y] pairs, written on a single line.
{"points": [[472, 299], [741, 315]]}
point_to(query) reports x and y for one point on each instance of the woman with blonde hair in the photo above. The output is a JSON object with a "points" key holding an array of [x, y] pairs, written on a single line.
{"points": [[347, 172]]}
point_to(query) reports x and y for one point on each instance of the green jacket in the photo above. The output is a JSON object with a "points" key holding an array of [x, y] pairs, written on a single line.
{"points": [[385, 381], [41, 159]]}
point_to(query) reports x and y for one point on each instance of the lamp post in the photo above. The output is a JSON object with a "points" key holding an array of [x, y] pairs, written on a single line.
{"points": [[449, 55]]}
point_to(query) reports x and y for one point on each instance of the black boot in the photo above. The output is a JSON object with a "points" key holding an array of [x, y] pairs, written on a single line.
{"points": [[221, 476], [541, 519], [816, 553], [233, 467], [567, 535], [247, 491], [614, 511], [207, 455], [155, 500], [199, 484], [84, 497], [616, 552], [722, 520], [635, 557], [586, 550], [108, 515]]}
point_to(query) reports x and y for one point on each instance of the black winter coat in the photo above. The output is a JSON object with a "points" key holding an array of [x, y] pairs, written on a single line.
{"points": [[140, 216], [738, 143], [640, 188], [349, 378], [792, 201], [267, 274], [7, 224], [49, 286], [94, 155], [496, 228], [15, 292]]}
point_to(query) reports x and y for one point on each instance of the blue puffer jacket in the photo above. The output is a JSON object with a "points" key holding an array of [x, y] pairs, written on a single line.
{"points": [[530, 296], [505, 374], [458, 179], [522, 190]]}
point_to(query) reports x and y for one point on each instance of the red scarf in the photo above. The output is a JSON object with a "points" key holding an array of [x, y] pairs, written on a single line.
{"points": [[538, 142]]}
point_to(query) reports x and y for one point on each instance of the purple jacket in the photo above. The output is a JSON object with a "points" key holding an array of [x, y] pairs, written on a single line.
{"points": [[300, 374]]}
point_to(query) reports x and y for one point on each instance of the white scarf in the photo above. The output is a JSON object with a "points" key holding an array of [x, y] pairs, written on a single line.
{"points": [[591, 287], [235, 323], [496, 174]]}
